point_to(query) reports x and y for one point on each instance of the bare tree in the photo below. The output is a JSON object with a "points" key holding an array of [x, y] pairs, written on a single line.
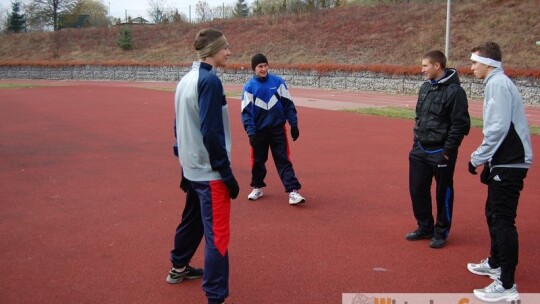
{"points": [[3, 18], [157, 10], [172, 15], [176, 16], [94, 11], [202, 9], [222, 11], [50, 10]]}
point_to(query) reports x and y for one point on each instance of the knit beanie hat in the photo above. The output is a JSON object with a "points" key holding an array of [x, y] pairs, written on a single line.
{"points": [[258, 59]]}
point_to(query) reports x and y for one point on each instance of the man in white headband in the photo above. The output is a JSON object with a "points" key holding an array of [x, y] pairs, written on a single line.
{"points": [[506, 154], [204, 149]]}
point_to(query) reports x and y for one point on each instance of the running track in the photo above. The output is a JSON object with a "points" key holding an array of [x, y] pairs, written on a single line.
{"points": [[89, 203]]}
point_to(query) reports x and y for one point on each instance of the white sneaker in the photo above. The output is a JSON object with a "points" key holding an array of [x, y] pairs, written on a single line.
{"points": [[295, 198], [255, 194], [495, 292], [484, 269]]}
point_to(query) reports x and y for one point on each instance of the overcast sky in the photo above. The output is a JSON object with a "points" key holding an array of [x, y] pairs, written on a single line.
{"points": [[137, 8]]}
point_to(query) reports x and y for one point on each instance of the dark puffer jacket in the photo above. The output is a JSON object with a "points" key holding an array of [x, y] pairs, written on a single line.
{"points": [[442, 114]]}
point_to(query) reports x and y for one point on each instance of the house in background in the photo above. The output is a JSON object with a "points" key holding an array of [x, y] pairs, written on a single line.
{"points": [[139, 20]]}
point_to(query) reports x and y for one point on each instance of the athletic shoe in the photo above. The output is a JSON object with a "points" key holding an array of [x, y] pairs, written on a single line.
{"points": [[189, 273], [437, 243], [495, 292], [295, 198], [255, 194], [484, 269], [418, 235]]}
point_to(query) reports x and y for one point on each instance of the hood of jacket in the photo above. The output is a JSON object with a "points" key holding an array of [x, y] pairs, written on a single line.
{"points": [[450, 76]]}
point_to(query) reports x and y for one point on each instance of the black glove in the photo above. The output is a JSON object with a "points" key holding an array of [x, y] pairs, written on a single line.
{"points": [[184, 183], [295, 133], [252, 140], [472, 169], [484, 176], [233, 187]]}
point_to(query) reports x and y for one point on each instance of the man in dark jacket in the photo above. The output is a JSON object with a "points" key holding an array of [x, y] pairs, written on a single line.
{"points": [[442, 120]]}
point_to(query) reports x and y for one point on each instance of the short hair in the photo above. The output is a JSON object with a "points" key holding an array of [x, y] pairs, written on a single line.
{"points": [[205, 37], [436, 56], [489, 49]]}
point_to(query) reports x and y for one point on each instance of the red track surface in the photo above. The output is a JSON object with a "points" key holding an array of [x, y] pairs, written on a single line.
{"points": [[89, 205]]}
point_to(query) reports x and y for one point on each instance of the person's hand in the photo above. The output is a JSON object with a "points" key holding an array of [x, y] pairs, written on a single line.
{"points": [[233, 187], [472, 169], [443, 158], [448, 153], [484, 176], [252, 140], [295, 133]]}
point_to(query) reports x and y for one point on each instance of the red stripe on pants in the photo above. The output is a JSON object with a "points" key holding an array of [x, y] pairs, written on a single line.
{"points": [[221, 214]]}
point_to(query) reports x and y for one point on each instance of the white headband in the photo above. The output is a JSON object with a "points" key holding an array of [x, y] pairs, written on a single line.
{"points": [[486, 61]]}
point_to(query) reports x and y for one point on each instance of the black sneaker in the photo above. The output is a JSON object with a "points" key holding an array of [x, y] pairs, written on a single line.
{"points": [[418, 235], [189, 273], [437, 243]]}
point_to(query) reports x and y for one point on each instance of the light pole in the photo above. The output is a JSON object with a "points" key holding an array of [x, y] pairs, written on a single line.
{"points": [[447, 47]]}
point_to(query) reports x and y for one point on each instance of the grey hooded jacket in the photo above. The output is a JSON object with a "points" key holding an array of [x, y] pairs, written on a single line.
{"points": [[507, 141]]}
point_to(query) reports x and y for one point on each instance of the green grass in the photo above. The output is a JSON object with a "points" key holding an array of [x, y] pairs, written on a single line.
{"points": [[404, 113], [237, 94], [159, 88], [17, 85], [172, 89]]}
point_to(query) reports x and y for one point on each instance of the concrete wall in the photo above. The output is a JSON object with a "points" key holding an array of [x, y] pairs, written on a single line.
{"points": [[362, 81]]}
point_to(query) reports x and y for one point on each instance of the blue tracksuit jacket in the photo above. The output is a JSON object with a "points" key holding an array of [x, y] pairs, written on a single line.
{"points": [[266, 103]]}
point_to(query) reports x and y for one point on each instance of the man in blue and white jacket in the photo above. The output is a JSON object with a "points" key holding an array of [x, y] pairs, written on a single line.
{"points": [[506, 155], [204, 149], [266, 107]]}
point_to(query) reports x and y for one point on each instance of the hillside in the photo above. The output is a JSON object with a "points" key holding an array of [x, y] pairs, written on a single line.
{"points": [[384, 34]]}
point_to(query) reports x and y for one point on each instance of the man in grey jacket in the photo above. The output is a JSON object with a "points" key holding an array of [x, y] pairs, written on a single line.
{"points": [[506, 154], [204, 148]]}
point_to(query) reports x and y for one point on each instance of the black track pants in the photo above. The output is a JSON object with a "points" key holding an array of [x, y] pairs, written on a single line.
{"points": [[274, 139], [504, 187], [424, 165]]}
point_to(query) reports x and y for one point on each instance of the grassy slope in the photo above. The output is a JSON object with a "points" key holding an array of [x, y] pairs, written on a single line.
{"points": [[394, 34]]}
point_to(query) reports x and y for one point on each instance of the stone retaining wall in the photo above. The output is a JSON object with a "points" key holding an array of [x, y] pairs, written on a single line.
{"points": [[362, 81]]}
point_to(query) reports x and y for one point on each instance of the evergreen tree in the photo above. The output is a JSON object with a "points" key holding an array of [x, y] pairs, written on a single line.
{"points": [[310, 5], [16, 20], [241, 9], [125, 38]]}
